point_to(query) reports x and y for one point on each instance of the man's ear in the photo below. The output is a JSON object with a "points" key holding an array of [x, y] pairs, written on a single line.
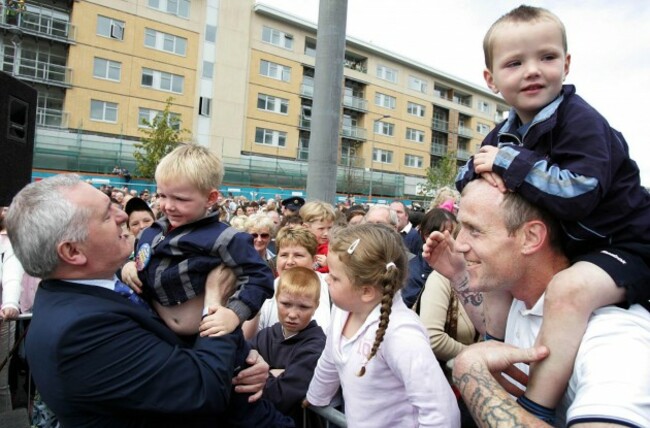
{"points": [[534, 234], [487, 75], [70, 253]]}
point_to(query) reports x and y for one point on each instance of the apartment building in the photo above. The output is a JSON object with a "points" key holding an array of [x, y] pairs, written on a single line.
{"points": [[241, 76]]}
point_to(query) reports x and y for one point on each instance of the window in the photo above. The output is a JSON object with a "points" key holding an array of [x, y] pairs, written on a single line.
{"points": [[210, 33], [204, 106], [277, 38], [413, 161], [109, 27], [415, 135], [275, 71], [385, 101], [382, 156], [387, 73], [208, 69], [270, 137], [162, 81], [310, 47], [106, 69], [383, 128], [175, 7], [269, 103], [482, 128], [417, 84], [484, 106], [415, 109], [164, 42], [103, 111], [146, 115]]}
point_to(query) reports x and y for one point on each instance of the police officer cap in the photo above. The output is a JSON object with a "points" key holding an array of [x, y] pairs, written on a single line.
{"points": [[293, 203]]}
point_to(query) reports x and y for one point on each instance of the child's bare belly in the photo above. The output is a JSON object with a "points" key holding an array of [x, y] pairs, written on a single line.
{"points": [[183, 319]]}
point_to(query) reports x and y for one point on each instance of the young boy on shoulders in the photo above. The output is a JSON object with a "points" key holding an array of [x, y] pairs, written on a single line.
{"points": [[559, 153], [318, 217], [293, 345]]}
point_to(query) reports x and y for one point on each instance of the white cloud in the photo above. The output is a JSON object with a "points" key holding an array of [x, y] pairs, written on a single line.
{"points": [[609, 43]]}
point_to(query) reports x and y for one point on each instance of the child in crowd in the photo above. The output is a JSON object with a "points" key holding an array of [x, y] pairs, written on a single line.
{"points": [[296, 248], [559, 153], [176, 253], [377, 349], [292, 346], [319, 217]]}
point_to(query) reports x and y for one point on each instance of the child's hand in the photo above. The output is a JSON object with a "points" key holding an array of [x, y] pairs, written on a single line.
{"points": [[130, 277], [219, 323], [484, 159], [305, 403], [495, 180], [321, 259]]}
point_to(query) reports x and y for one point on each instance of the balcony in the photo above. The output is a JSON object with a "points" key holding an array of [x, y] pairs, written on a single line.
{"points": [[41, 24], [438, 149], [440, 125], [352, 161], [359, 66], [38, 71], [303, 155], [51, 118], [465, 132], [353, 132], [304, 123], [355, 103], [307, 90], [463, 154]]}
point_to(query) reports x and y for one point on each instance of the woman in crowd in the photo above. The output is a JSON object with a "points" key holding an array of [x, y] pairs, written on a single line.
{"points": [[262, 229]]}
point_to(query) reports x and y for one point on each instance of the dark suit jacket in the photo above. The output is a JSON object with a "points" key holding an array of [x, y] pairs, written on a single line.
{"points": [[413, 241], [100, 361]]}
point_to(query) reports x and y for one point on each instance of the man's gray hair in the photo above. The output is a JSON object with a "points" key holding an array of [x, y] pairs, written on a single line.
{"points": [[40, 217], [392, 214]]}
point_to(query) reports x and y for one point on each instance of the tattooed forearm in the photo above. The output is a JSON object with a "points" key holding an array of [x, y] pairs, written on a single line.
{"points": [[489, 404]]}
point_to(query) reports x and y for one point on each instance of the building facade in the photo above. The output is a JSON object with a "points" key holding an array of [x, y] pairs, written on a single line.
{"points": [[240, 78]]}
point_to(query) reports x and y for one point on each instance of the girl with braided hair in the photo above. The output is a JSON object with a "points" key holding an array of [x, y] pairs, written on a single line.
{"points": [[377, 350]]}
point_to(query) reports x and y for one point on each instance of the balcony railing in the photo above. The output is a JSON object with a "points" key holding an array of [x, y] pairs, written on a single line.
{"points": [[465, 132], [303, 154], [39, 71], [463, 154], [304, 122], [355, 103], [41, 24], [51, 118], [353, 132], [355, 65], [440, 125], [307, 90], [438, 149]]}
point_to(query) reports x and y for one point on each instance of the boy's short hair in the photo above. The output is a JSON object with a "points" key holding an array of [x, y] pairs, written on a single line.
{"points": [[296, 235], [300, 280], [522, 13], [317, 211], [194, 163]]}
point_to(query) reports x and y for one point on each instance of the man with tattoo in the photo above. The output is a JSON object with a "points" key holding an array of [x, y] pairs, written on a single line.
{"points": [[507, 244]]}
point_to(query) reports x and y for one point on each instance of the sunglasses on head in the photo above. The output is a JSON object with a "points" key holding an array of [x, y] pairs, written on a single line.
{"points": [[260, 235]]}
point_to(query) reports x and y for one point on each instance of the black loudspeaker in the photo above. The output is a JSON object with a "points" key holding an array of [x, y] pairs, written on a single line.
{"points": [[17, 128]]}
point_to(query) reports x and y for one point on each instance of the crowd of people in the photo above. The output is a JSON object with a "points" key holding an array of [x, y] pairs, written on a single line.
{"points": [[187, 307]]}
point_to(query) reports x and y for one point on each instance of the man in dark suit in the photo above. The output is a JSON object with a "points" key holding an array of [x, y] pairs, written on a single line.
{"points": [[97, 358], [410, 235]]}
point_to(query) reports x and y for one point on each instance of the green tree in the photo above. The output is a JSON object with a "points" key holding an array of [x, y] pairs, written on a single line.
{"points": [[443, 172], [162, 135]]}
